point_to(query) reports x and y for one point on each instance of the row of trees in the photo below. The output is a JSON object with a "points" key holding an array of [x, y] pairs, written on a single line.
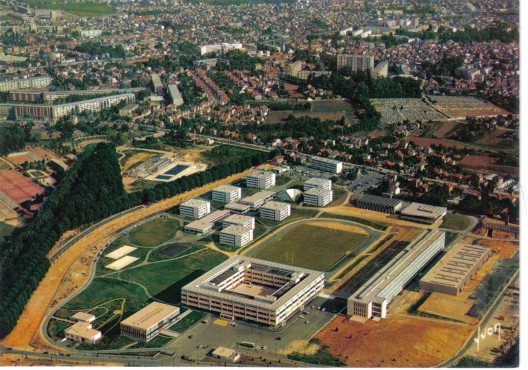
{"points": [[90, 191], [13, 138]]}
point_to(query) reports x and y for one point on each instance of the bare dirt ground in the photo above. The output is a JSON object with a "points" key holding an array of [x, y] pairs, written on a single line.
{"points": [[425, 141], [445, 128], [473, 112], [70, 272], [397, 341], [19, 360], [301, 346]]}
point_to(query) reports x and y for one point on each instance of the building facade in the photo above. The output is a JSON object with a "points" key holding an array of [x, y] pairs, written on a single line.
{"points": [[380, 204], [147, 322], [237, 236], [195, 208], [356, 62], [317, 183], [227, 193], [318, 197], [276, 211], [326, 164], [260, 180]]}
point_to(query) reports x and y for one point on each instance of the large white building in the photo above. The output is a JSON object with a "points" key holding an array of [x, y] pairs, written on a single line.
{"points": [[423, 213], [147, 322], [261, 180], [82, 332], [317, 183], [237, 236], [206, 224], [239, 220], [25, 83], [219, 48], [254, 290], [276, 211], [326, 164], [195, 208], [356, 62], [373, 298], [318, 197], [227, 193], [175, 94]]}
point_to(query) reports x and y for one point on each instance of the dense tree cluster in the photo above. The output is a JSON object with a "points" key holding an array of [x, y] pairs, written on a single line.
{"points": [[283, 105], [500, 32], [90, 191], [98, 49], [191, 93], [14, 138], [447, 66]]}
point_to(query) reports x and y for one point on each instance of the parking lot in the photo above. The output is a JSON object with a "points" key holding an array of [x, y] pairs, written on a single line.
{"points": [[370, 180], [196, 342]]}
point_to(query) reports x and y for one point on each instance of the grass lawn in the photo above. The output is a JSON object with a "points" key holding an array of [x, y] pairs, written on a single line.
{"points": [[282, 180], [5, 230], [227, 153], [339, 197], [172, 250], [165, 279], [157, 342], [187, 321], [312, 247], [302, 213], [155, 232], [455, 222], [56, 328], [375, 225], [83, 9]]}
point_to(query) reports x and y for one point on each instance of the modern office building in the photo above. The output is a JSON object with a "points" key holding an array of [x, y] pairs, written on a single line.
{"points": [[227, 193], [318, 197], [147, 322], [356, 62], [276, 211], [254, 290], [380, 204], [175, 95], [239, 220], [326, 164], [455, 269], [261, 180], [195, 208], [373, 298], [237, 236], [206, 224], [317, 183], [83, 332], [423, 213], [257, 200]]}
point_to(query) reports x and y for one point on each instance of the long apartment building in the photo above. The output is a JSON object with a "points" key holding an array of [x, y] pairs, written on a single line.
{"points": [[318, 197], [373, 298], [255, 290], [207, 223], [147, 322], [261, 180], [175, 95], [227, 193], [195, 208], [25, 83], [356, 62], [326, 164]]}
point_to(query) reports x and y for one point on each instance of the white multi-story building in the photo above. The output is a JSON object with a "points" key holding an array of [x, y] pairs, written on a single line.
{"points": [[261, 180], [254, 290], [373, 298], [356, 62], [25, 83], [227, 193], [195, 208], [317, 183], [147, 322], [219, 48], [276, 211], [239, 220], [176, 97], [318, 197], [237, 236], [326, 164]]}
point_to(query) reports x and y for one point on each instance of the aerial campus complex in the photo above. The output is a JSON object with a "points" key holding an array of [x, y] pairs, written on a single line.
{"points": [[325, 183]]}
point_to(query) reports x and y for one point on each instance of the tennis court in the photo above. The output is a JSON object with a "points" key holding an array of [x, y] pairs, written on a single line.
{"points": [[17, 187]]}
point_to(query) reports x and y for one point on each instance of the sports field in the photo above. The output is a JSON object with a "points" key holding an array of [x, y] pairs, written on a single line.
{"points": [[17, 187], [314, 246], [155, 232], [455, 222]]}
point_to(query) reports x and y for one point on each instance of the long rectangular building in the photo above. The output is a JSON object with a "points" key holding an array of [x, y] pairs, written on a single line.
{"points": [[423, 213], [380, 204], [257, 200], [455, 269], [326, 164], [373, 298], [260, 180], [176, 97], [206, 224], [255, 290], [147, 322], [25, 83]]}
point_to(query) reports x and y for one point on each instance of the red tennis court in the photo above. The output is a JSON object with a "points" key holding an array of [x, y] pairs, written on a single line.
{"points": [[17, 187]]}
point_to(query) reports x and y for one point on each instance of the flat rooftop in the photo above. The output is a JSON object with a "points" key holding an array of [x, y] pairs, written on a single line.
{"points": [[325, 160], [226, 188], [456, 265], [423, 211], [236, 230], [318, 191], [150, 315], [317, 181], [381, 201], [206, 221], [82, 330], [236, 206], [239, 219], [261, 174], [196, 202], [275, 205], [261, 195]]}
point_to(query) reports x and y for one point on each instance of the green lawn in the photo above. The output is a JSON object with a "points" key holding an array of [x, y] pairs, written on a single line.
{"points": [[164, 280], [156, 342], [187, 321], [56, 328], [227, 153], [5, 230], [155, 232], [83, 9], [312, 247], [455, 222], [376, 225]]}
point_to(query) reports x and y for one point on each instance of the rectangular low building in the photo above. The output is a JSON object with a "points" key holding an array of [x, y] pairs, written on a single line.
{"points": [[147, 322], [318, 197], [239, 220], [276, 211], [237, 207], [423, 213], [227, 193], [237, 236], [226, 354], [373, 298], [455, 269], [317, 183], [254, 290], [380, 204], [206, 224], [83, 317], [260, 180], [326, 164], [256, 200], [83, 333], [195, 208]]}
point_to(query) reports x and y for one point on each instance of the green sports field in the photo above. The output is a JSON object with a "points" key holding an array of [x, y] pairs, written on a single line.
{"points": [[312, 247], [155, 232]]}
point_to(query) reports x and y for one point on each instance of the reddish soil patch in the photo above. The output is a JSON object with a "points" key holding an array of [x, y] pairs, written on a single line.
{"points": [[19, 159], [44, 153], [445, 128], [425, 141], [398, 341], [480, 162], [17, 187]]}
